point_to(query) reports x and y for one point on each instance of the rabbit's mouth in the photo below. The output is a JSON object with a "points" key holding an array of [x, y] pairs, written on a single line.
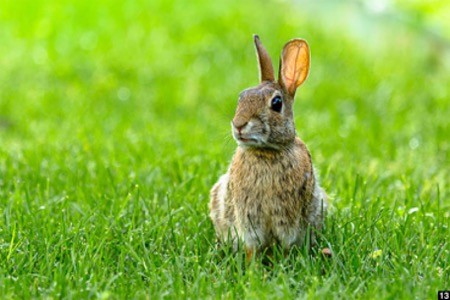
{"points": [[248, 135], [247, 141]]}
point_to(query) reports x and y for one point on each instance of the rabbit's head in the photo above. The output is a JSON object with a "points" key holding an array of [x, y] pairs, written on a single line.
{"points": [[264, 115]]}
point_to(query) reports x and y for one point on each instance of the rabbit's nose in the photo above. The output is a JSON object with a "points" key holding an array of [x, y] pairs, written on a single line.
{"points": [[239, 126]]}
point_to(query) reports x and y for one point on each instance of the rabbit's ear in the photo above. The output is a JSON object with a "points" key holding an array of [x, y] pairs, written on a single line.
{"points": [[294, 65], [265, 63]]}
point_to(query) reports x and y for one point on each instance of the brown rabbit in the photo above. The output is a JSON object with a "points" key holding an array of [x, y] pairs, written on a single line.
{"points": [[270, 194]]}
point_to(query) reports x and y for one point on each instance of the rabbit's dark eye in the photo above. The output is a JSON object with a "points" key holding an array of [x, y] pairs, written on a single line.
{"points": [[276, 104]]}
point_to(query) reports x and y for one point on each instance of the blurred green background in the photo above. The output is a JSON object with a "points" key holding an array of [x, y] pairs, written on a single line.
{"points": [[106, 101], [70, 71], [104, 76]]}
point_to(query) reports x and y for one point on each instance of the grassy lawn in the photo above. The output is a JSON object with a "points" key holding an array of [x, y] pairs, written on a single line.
{"points": [[115, 123]]}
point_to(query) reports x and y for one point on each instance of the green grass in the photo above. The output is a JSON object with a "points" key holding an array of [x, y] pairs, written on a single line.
{"points": [[114, 124]]}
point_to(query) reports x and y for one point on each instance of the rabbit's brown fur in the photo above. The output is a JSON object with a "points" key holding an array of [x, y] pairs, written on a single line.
{"points": [[270, 194]]}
